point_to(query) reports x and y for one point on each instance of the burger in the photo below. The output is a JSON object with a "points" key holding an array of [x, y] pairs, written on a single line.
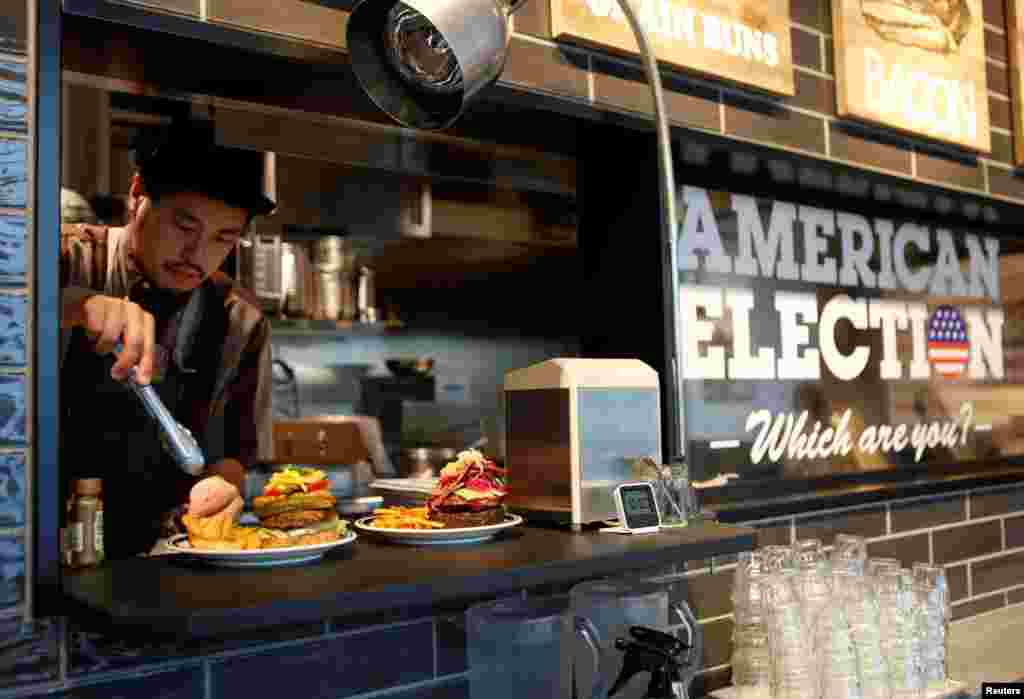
{"points": [[297, 510], [470, 493], [296, 499]]}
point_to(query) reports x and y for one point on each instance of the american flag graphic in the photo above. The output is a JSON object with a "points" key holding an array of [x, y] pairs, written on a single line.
{"points": [[948, 348]]}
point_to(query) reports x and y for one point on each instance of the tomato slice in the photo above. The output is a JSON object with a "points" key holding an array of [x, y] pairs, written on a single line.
{"points": [[316, 485]]}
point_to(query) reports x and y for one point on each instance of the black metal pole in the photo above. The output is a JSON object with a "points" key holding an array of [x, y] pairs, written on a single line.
{"points": [[45, 67]]}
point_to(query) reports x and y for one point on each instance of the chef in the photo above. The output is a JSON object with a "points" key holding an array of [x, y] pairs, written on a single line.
{"points": [[186, 328]]}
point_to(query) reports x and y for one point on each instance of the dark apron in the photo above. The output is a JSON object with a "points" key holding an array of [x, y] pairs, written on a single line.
{"points": [[106, 433]]}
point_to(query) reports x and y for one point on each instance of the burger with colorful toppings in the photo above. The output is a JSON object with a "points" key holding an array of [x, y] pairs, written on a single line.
{"points": [[296, 498], [470, 493]]}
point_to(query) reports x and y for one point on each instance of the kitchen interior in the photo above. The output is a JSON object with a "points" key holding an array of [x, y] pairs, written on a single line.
{"points": [[401, 293]]}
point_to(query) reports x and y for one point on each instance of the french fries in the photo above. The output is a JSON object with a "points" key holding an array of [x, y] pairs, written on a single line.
{"points": [[404, 518]]}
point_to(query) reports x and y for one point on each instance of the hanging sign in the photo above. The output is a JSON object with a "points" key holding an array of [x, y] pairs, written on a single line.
{"points": [[1015, 24], [776, 292], [745, 42], [914, 65]]}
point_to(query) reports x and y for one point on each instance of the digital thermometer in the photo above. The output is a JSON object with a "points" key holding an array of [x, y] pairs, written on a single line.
{"points": [[638, 508]]}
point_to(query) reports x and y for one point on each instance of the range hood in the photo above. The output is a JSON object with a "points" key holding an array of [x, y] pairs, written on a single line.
{"points": [[321, 198], [374, 208]]}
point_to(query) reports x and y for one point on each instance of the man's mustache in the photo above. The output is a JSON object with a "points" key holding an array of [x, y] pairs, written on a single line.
{"points": [[188, 267]]}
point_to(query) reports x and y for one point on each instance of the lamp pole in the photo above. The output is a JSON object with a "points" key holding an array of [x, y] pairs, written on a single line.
{"points": [[666, 178]]}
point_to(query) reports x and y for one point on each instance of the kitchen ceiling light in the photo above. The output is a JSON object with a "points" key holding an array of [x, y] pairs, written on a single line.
{"points": [[422, 61]]}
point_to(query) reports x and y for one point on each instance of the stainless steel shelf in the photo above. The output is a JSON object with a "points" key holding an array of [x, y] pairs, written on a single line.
{"points": [[281, 328]]}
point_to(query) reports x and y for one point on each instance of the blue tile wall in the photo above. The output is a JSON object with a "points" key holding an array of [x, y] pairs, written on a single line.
{"points": [[333, 668], [12, 490], [446, 689], [451, 644], [13, 329], [12, 409], [91, 653], [29, 653], [13, 249], [13, 96], [12, 571], [13, 173], [186, 683]]}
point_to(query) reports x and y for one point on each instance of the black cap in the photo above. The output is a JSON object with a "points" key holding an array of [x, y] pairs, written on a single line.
{"points": [[184, 158]]}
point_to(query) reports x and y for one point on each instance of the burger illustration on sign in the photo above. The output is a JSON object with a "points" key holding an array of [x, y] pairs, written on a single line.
{"points": [[932, 25]]}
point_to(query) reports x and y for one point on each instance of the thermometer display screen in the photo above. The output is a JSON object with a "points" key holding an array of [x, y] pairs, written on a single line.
{"points": [[637, 508], [638, 501]]}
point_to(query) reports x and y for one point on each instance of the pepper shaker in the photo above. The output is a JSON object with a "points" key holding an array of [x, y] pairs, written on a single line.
{"points": [[83, 534]]}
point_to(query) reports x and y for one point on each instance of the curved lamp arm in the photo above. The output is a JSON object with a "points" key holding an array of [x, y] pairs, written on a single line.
{"points": [[668, 214]]}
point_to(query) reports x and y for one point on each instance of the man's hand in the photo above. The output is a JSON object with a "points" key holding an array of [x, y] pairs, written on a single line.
{"points": [[109, 320], [230, 470]]}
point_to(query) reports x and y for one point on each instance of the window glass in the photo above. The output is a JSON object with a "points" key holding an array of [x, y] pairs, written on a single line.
{"points": [[816, 342]]}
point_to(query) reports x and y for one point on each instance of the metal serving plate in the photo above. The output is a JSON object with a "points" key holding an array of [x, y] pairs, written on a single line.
{"points": [[257, 558], [420, 537]]}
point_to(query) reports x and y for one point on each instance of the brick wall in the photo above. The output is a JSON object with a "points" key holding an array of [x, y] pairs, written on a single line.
{"points": [[805, 123]]}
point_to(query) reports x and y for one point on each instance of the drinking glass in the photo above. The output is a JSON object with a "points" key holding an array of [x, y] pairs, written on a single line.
{"points": [[746, 589], [751, 664], [874, 568], [808, 552], [850, 552], [933, 578], [853, 593], [792, 672], [899, 622], [777, 557], [606, 609], [836, 655], [515, 648], [676, 498], [932, 599]]}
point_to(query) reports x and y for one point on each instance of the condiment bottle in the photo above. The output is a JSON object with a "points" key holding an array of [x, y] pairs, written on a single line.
{"points": [[83, 537]]}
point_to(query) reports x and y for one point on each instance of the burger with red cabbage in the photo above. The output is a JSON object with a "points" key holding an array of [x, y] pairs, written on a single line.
{"points": [[470, 493]]}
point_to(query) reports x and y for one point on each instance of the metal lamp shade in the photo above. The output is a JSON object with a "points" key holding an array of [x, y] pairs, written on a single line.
{"points": [[477, 33]]}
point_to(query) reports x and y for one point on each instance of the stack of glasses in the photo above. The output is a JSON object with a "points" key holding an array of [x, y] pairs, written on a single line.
{"points": [[792, 672], [813, 626], [899, 639], [751, 660], [855, 596], [932, 601]]}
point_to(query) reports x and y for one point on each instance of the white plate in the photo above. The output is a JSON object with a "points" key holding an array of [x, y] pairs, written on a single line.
{"points": [[418, 486], [461, 535], [257, 558]]}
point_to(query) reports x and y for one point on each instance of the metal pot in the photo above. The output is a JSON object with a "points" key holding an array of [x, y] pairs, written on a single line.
{"points": [[332, 253], [425, 462], [366, 296], [260, 270], [329, 296], [295, 279]]}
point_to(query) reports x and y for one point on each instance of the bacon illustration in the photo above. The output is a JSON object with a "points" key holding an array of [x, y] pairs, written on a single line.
{"points": [[933, 25]]}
